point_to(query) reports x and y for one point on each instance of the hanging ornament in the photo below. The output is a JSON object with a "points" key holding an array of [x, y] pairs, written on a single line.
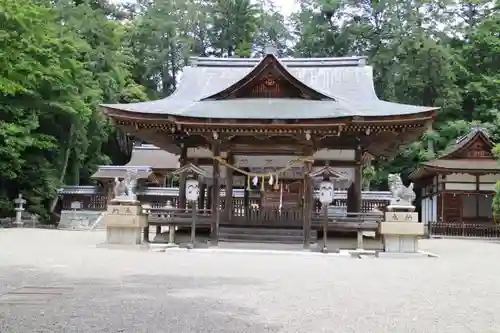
{"points": [[262, 188], [248, 183], [255, 181], [276, 183], [271, 180]]}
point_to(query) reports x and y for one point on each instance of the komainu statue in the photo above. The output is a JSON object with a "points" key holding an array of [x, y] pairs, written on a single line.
{"points": [[125, 189], [120, 189], [401, 195]]}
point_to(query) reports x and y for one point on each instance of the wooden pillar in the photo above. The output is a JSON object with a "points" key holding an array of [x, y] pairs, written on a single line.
{"points": [[109, 188], [354, 200], [358, 171], [210, 192], [201, 199], [182, 179], [246, 197], [228, 209], [307, 207], [214, 236]]}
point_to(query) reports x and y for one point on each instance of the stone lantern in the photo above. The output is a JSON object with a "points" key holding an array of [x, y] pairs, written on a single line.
{"points": [[20, 202]]}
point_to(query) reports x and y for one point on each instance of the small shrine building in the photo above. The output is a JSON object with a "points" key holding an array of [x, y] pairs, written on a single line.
{"points": [[458, 186], [268, 123]]}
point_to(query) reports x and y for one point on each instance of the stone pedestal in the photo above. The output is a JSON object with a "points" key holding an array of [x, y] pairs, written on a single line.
{"points": [[401, 232], [124, 223], [18, 223]]}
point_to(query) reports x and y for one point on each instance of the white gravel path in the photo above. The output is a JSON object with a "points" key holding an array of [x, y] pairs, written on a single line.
{"points": [[138, 291]]}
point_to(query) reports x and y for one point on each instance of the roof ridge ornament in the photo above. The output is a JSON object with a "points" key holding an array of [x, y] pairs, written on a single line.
{"points": [[480, 128], [475, 128], [271, 49]]}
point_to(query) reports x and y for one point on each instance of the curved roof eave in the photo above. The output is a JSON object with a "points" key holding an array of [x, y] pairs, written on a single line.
{"points": [[422, 113]]}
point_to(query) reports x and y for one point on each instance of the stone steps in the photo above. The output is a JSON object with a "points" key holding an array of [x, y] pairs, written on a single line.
{"points": [[264, 235]]}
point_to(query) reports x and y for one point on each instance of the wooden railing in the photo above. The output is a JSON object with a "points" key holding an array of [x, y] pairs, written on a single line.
{"points": [[94, 198], [268, 217], [180, 217], [461, 229], [350, 221]]}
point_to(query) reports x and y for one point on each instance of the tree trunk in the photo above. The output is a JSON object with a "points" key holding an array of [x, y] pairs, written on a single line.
{"points": [[62, 175]]}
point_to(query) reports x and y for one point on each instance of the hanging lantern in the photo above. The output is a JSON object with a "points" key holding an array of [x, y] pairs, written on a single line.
{"points": [[326, 192], [192, 189]]}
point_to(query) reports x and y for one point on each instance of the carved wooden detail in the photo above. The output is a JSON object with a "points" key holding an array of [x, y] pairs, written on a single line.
{"points": [[270, 84], [267, 87], [478, 150]]}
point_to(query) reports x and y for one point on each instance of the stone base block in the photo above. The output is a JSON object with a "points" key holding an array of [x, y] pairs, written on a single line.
{"points": [[123, 209], [403, 255], [123, 216], [400, 244], [402, 228], [124, 235], [139, 247]]}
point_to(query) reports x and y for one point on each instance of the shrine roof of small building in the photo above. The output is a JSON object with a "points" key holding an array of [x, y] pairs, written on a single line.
{"points": [[455, 159], [110, 172], [154, 157], [342, 88]]}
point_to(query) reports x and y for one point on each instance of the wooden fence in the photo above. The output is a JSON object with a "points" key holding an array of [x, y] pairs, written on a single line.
{"points": [[461, 229]]}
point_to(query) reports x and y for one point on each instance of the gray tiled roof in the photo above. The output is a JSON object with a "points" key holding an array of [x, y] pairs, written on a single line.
{"points": [[346, 80], [113, 171], [153, 157], [465, 164]]}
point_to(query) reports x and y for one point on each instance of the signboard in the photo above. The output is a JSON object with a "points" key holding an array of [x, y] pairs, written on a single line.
{"points": [[76, 205], [401, 217]]}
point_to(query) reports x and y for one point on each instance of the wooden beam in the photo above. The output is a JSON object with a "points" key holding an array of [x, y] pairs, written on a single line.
{"points": [[182, 178], [316, 163], [214, 236], [354, 201], [307, 206], [228, 209]]}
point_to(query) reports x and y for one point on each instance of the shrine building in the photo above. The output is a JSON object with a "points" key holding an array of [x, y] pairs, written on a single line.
{"points": [[266, 124], [458, 186]]}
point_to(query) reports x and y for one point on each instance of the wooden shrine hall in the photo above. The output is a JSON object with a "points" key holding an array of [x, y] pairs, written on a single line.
{"points": [[266, 124], [458, 186]]}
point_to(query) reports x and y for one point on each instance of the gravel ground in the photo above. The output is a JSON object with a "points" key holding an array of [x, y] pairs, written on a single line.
{"points": [[137, 291]]}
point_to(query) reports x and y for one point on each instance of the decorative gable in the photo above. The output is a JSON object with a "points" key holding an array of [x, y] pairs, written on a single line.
{"points": [[475, 145], [477, 149], [269, 79]]}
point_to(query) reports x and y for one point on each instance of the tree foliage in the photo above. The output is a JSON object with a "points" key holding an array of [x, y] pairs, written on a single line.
{"points": [[60, 59]]}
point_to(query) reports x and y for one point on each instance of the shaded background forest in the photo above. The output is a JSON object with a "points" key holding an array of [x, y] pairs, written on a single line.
{"points": [[60, 58]]}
